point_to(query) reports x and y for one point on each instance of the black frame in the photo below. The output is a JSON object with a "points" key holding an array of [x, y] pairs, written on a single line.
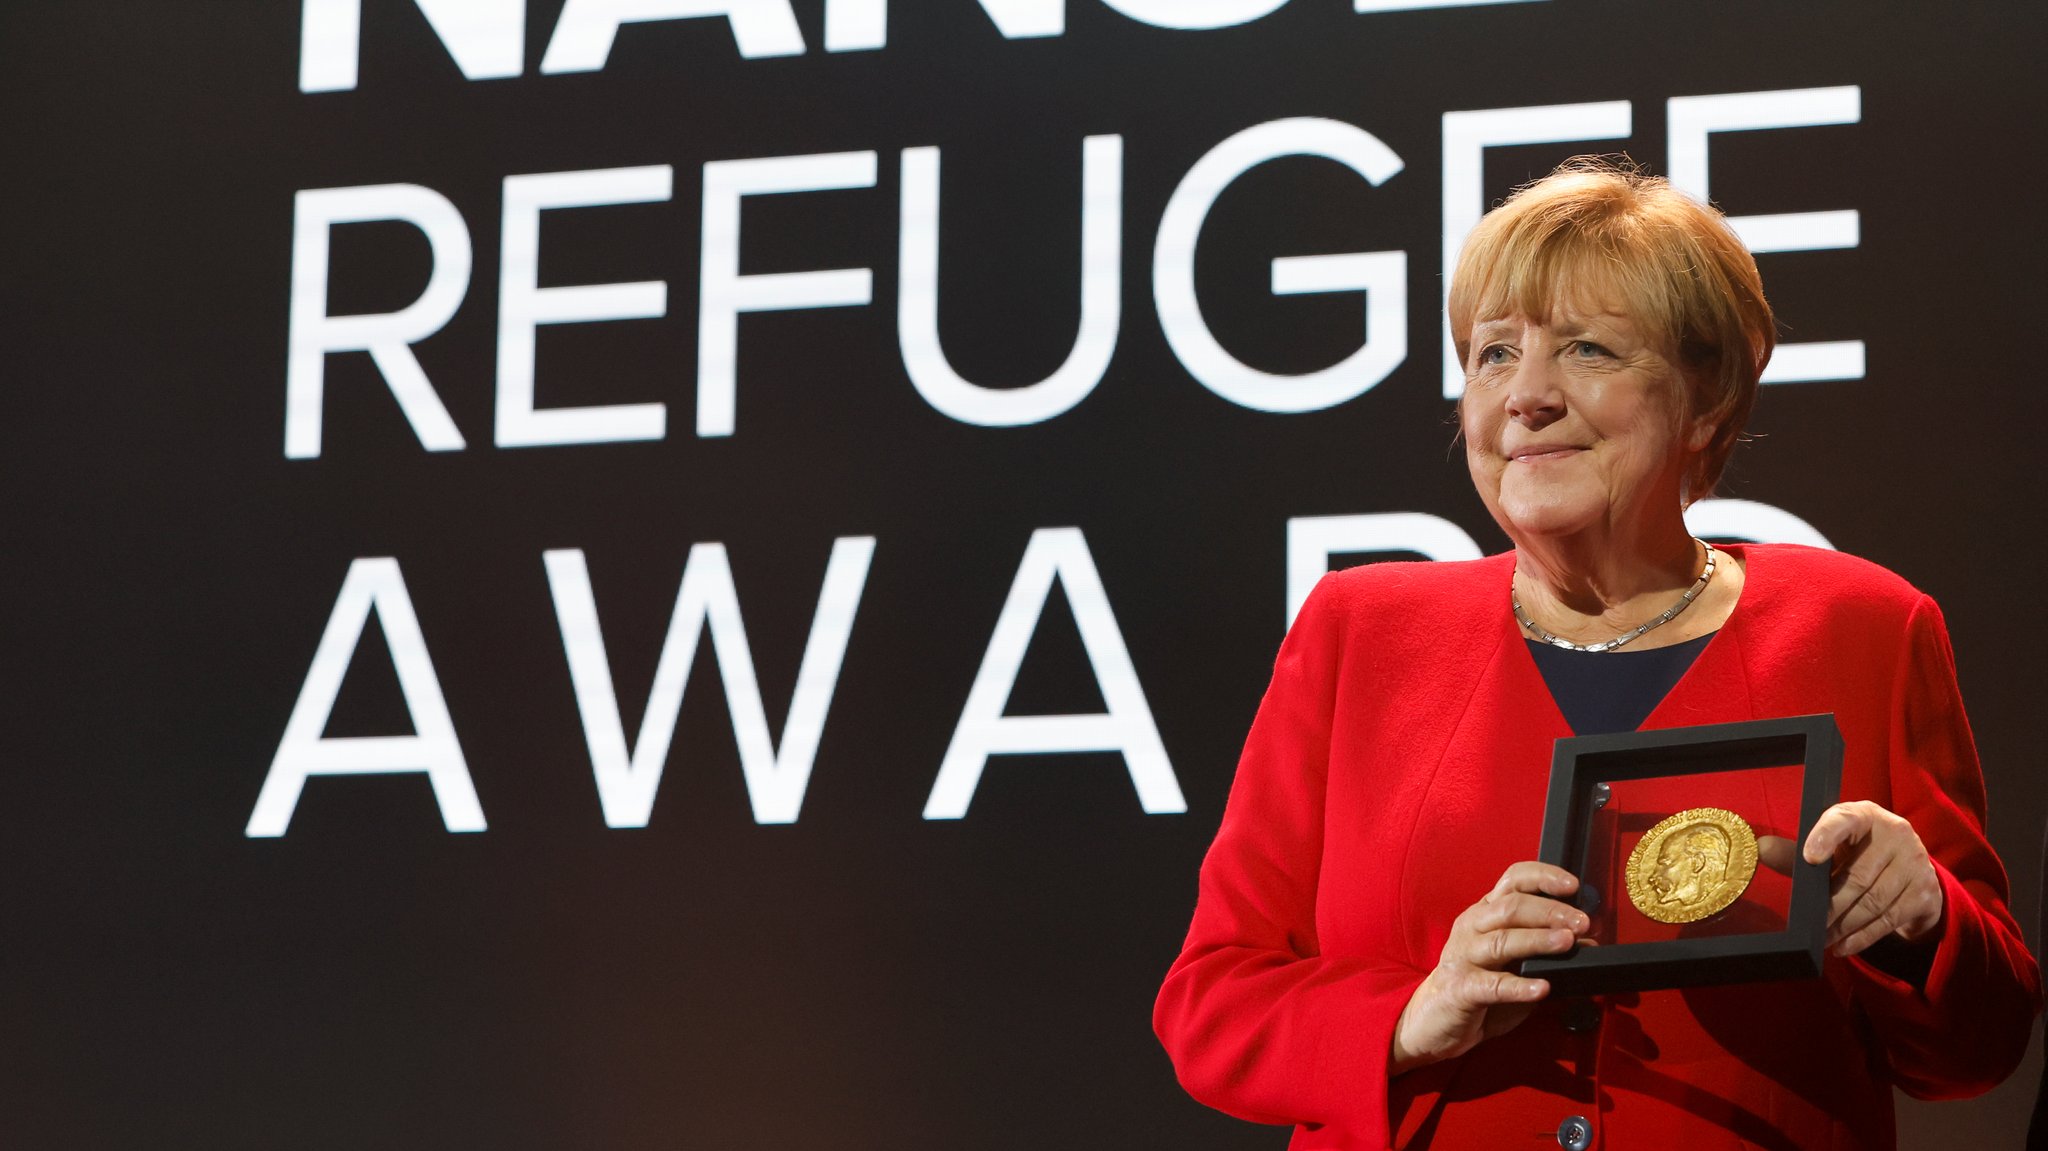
{"points": [[1580, 764]]}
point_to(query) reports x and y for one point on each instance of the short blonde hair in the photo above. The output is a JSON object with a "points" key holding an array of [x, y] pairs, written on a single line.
{"points": [[1600, 233]]}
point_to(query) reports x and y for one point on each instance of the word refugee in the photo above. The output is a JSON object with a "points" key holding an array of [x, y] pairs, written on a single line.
{"points": [[725, 293]]}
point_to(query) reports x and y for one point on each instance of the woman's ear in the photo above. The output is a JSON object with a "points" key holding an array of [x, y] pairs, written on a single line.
{"points": [[1699, 434]]}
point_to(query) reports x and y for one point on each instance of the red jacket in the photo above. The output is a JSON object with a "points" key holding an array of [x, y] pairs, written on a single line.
{"points": [[1397, 766]]}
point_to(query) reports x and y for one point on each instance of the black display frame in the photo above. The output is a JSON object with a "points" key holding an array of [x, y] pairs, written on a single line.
{"points": [[1580, 764]]}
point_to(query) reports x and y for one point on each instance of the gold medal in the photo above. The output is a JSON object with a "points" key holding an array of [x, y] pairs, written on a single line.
{"points": [[1691, 865]]}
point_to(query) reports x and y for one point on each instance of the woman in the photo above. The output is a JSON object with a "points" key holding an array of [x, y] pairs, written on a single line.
{"points": [[1351, 965]]}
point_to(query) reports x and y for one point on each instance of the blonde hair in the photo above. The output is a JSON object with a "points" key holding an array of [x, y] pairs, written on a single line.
{"points": [[1600, 233]]}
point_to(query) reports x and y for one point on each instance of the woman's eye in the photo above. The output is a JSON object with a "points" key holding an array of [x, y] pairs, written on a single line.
{"points": [[1587, 349], [1493, 354]]}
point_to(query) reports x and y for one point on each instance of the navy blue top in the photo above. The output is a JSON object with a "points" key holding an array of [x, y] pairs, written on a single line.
{"points": [[1612, 691]]}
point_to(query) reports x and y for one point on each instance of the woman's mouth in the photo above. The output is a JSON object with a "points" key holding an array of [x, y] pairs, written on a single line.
{"points": [[1537, 455]]}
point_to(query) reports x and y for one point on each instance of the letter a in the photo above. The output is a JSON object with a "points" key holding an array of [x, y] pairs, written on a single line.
{"points": [[372, 585], [1127, 727]]}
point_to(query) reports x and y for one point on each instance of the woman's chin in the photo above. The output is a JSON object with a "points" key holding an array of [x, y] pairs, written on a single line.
{"points": [[1548, 517]]}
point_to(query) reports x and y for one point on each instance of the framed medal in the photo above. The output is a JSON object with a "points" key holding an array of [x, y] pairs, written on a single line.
{"points": [[1685, 842]]}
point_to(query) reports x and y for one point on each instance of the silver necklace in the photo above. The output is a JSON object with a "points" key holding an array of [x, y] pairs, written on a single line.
{"points": [[1670, 613]]}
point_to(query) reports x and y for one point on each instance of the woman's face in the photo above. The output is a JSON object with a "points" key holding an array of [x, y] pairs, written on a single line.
{"points": [[1575, 422]]}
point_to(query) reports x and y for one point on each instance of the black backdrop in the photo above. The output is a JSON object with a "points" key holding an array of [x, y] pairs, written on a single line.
{"points": [[863, 977]]}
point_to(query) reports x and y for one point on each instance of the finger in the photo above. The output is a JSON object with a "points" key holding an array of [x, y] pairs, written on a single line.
{"points": [[1864, 936], [1876, 902], [1871, 921], [1518, 909], [1840, 824], [1540, 878], [1852, 884], [1775, 852], [1906, 902], [1496, 950], [1859, 864], [1486, 988]]}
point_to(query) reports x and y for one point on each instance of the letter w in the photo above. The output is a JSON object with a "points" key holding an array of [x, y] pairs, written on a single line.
{"points": [[776, 779]]}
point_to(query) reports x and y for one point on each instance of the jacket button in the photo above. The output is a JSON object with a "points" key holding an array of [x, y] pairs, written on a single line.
{"points": [[1581, 1015], [1575, 1134]]}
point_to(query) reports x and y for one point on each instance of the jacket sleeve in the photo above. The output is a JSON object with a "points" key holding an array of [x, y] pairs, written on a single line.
{"points": [[1964, 1027], [1258, 1023]]}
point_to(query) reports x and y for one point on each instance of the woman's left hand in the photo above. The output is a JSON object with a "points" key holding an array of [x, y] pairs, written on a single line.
{"points": [[1884, 883]]}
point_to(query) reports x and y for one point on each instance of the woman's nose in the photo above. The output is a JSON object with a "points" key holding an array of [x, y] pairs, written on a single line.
{"points": [[1535, 397]]}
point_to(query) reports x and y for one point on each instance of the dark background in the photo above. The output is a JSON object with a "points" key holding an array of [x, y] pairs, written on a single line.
{"points": [[862, 978]]}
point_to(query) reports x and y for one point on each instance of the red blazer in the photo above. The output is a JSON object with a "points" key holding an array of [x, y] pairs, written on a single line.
{"points": [[1398, 765]]}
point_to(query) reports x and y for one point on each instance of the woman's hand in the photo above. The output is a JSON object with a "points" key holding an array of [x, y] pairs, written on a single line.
{"points": [[1472, 994], [1884, 883]]}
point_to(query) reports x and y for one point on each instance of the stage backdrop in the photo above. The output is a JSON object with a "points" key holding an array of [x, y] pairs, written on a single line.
{"points": [[691, 573]]}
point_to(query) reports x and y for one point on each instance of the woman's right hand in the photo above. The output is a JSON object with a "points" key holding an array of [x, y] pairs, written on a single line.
{"points": [[1473, 993]]}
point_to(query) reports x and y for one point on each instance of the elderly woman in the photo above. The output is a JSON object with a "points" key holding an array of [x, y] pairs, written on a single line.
{"points": [[1351, 969]]}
